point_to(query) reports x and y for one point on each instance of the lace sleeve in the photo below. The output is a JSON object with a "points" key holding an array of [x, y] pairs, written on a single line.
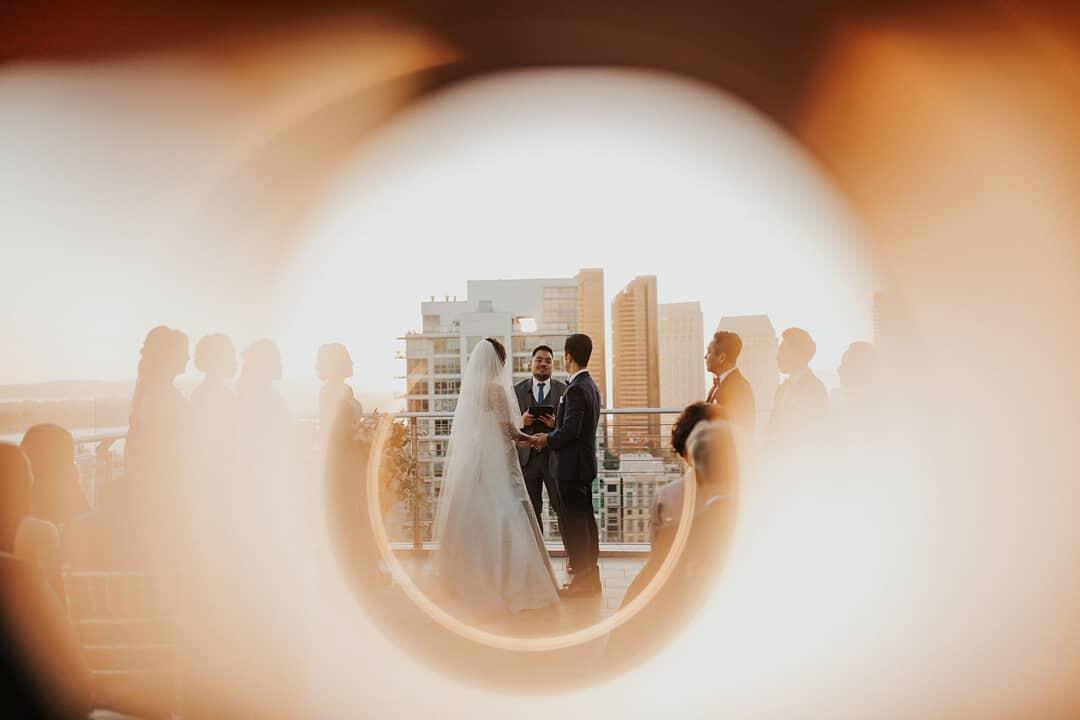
{"points": [[497, 403]]}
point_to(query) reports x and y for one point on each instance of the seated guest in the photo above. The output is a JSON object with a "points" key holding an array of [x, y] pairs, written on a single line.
{"points": [[667, 507], [30, 539], [712, 453], [32, 615], [730, 391], [57, 496]]}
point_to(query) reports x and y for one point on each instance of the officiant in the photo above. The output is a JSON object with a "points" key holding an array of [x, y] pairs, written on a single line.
{"points": [[538, 396]]}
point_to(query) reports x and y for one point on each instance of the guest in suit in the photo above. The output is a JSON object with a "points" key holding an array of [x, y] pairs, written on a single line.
{"points": [[540, 389], [573, 443], [730, 389], [801, 400], [57, 496]]}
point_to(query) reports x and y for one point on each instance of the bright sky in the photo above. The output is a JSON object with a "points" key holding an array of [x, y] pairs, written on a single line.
{"points": [[525, 175]]}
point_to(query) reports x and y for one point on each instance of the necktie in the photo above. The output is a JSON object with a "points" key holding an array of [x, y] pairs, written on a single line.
{"points": [[540, 394]]}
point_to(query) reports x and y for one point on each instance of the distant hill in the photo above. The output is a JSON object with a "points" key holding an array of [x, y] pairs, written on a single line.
{"points": [[100, 390]]}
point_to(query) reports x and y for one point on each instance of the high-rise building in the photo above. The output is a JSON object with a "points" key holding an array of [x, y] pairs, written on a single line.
{"points": [[523, 314], [590, 320], [682, 364], [757, 361], [635, 365]]}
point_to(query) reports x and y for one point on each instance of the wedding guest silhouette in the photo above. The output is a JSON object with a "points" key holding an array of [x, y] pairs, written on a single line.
{"points": [[339, 410], [154, 451], [268, 537], [730, 389], [213, 416], [57, 496], [801, 400], [42, 648]]}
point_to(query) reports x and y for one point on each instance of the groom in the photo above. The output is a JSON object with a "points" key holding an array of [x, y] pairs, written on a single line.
{"points": [[573, 449]]}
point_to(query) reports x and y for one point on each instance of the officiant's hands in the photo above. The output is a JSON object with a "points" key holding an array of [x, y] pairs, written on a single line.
{"points": [[548, 421]]}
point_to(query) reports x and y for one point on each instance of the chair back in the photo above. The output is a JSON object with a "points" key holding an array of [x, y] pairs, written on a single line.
{"points": [[127, 626]]}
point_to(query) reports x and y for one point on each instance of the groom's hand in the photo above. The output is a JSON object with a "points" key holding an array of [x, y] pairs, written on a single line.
{"points": [[539, 441]]}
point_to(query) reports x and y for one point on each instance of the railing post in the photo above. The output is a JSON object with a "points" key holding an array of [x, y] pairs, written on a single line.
{"points": [[414, 443], [103, 468]]}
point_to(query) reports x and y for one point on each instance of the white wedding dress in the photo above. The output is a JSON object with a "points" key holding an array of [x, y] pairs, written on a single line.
{"points": [[491, 557]]}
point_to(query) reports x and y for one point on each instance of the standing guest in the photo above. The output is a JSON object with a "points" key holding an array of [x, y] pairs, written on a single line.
{"points": [[801, 400], [858, 378], [213, 416], [730, 391], [57, 496], [339, 410], [540, 390], [157, 431], [212, 403], [267, 506]]}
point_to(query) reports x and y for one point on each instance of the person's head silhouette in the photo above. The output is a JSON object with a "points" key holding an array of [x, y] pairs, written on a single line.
{"points": [[333, 363], [163, 356], [16, 484], [796, 351], [858, 366], [262, 364], [216, 356]]}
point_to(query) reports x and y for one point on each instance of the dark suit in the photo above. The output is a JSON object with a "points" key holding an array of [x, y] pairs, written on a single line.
{"points": [[536, 464], [573, 445], [736, 397]]}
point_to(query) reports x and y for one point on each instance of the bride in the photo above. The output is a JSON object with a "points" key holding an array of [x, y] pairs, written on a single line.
{"points": [[490, 555]]}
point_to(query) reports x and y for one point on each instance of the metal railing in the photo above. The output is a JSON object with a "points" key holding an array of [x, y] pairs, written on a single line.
{"points": [[633, 459]]}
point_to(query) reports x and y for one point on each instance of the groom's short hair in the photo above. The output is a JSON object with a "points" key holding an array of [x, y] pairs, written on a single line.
{"points": [[543, 348], [579, 347]]}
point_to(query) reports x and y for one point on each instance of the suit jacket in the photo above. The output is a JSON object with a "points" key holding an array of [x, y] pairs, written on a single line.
{"points": [[800, 402], [735, 395], [573, 442], [526, 400]]}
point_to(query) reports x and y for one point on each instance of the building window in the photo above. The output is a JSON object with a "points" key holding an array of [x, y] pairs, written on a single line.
{"points": [[418, 387], [442, 426], [446, 346], [448, 366], [522, 364], [447, 387], [417, 366], [560, 306], [418, 405], [415, 347], [485, 306], [440, 448], [447, 405], [520, 343]]}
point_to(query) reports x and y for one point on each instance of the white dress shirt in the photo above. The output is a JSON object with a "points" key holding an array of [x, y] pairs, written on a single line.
{"points": [[535, 390]]}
